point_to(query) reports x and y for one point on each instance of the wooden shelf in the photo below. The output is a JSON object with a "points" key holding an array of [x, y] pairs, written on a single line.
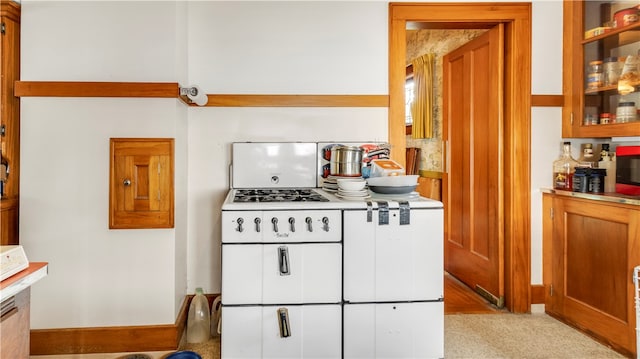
{"points": [[615, 32], [96, 89]]}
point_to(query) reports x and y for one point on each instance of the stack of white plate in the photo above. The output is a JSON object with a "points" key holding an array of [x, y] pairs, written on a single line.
{"points": [[330, 184], [353, 189]]}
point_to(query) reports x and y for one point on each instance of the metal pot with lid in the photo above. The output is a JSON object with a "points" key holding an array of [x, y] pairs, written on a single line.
{"points": [[346, 161]]}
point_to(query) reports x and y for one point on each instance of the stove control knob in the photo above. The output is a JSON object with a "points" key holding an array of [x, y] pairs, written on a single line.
{"points": [[257, 222], [239, 221], [325, 222], [309, 224], [292, 222], [274, 220]]}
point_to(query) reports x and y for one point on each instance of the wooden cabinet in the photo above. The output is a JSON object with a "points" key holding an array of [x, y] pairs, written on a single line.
{"points": [[141, 183], [584, 99], [9, 120], [14, 324], [592, 249]]}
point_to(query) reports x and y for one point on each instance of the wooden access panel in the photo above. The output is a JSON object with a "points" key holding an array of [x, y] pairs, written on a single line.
{"points": [[141, 193]]}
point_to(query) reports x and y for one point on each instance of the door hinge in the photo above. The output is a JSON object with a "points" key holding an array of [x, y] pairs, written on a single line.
{"points": [[551, 290], [551, 213], [3, 29], [571, 118]]}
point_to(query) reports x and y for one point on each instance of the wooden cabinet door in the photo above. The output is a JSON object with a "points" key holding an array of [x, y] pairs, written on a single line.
{"points": [[472, 120], [141, 188], [578, 51], [9, 119], [595, 248]]}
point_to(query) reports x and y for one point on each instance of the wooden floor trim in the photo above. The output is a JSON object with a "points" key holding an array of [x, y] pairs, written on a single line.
{"points": [[111, 339]]}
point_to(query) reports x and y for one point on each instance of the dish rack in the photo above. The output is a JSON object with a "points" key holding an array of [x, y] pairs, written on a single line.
{"points": [[636, 280]]}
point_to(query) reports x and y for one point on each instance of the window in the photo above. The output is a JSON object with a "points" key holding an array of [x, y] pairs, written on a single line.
{"points": [[408, 99]]}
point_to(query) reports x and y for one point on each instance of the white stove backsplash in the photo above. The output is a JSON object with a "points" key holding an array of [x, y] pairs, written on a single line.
{"points": [[274, 164], [291, 164]]}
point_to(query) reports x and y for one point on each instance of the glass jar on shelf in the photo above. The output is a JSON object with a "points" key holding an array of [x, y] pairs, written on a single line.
{"points": [[611, 69], [595, 75], [626, 112]]}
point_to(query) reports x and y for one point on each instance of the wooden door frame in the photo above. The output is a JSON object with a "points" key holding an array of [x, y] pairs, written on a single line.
{"points": [[516, 123]]}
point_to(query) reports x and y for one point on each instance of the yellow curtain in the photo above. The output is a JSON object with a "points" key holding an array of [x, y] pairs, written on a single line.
{"points": [[422, 106]]}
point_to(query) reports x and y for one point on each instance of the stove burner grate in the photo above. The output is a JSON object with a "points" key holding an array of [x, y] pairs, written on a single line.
{"points": [[278, 195]]}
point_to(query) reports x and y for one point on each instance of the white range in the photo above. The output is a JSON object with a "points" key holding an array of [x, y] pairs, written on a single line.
{"points": [[308, 275]]}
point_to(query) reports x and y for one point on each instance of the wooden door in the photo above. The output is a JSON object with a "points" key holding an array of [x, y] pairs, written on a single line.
{"points": [[473, 92]]}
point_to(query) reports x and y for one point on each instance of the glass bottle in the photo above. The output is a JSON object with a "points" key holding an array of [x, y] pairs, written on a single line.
{"points": [[564, 168], [198, 320], [588, 158]]}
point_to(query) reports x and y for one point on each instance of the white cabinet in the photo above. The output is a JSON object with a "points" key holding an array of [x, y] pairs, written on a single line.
{"points": [[254, 332], [281, 273], [394, 330], [393, 283], [393, 262]]}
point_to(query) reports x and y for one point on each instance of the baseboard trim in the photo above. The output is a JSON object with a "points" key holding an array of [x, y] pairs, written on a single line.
{"points": [[121, 339], [537, 294]]}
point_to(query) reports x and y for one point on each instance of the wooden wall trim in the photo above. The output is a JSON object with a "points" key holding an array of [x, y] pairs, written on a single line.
{"points": [[547, 100], [537, 294], [96, 89], [111, 339], [172, 90], [230, 100]]}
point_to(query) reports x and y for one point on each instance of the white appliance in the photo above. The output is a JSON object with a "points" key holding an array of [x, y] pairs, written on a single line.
{"points": [[308, 275]]}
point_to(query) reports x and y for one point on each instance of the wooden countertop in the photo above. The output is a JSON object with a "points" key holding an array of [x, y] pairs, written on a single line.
{"points": [[604, 197]]}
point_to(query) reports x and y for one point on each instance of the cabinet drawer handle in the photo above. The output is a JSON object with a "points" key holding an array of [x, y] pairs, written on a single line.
{"points": [[283, 322], [8, 314], [283, 260]]}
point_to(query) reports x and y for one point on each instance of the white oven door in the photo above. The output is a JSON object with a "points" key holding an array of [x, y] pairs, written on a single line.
{"points": [[299, 331], [394, 330], [281, 273], [393, 262]]}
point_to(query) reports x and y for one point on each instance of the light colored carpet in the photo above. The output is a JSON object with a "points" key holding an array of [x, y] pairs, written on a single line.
{"points": [[513, 336], [517, 336]]}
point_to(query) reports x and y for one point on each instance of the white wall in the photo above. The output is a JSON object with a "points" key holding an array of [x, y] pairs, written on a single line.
{"points": [[546, 126], [97, 276], [274, 48], [100, 277]]}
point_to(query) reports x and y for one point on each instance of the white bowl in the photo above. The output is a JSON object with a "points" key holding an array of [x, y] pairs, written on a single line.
{"points": [[393, 181], [348, 184]]}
